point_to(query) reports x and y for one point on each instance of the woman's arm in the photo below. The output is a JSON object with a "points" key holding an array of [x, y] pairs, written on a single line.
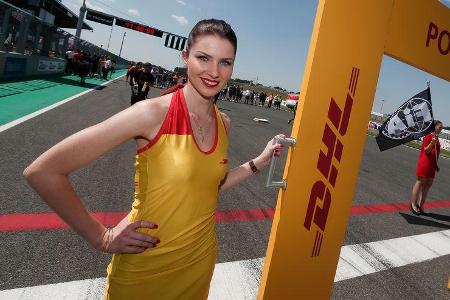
{"points": [[48, 174], [244, 171], [429, 142]]}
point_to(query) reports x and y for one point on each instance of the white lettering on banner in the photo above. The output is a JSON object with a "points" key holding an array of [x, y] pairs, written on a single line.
{"points": [[50, 66], [422, 112], [395, 126]]}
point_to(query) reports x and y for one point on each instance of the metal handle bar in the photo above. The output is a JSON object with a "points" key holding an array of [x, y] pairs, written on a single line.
{"points": [[283, 183]]}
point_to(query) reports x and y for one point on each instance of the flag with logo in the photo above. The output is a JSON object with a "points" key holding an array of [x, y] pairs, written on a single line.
{"points": [[412, 120]]}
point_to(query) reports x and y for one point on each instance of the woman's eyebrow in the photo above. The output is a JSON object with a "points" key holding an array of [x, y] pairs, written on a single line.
{"points": [[209, 56], [206, 54]]}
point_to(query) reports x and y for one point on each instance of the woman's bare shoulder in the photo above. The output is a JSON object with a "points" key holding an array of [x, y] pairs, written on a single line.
{"points": [[153, 109], [150, 114]]}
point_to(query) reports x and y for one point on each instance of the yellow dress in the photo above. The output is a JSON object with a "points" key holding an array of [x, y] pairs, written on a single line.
{"points": [[176, 186]]}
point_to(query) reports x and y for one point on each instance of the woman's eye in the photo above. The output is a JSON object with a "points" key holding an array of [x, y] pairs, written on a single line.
{"points": [[226, 63], [203, 58]]}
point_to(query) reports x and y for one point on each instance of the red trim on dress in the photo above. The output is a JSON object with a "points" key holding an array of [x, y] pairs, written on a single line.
{"points": [[179, 117], [164, 127], [173, 89], [223, 123], [191, 132], [177, 122]]}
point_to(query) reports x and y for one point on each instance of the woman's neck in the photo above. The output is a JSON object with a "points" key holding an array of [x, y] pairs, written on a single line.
{"points": [[196, 103]]}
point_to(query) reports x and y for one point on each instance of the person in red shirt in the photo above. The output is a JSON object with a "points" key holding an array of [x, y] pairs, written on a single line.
{"points": [[426, 169], [76, 61], [130, 72]]}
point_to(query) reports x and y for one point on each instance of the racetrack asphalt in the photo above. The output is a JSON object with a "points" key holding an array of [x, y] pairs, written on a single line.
{"points": [[51, 256]]}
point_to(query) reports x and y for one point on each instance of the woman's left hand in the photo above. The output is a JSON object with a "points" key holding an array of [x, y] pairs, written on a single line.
{"points": [[264, 158]]}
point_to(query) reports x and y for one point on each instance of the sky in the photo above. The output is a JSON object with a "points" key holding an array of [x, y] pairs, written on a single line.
{"points": [[273, 42]]}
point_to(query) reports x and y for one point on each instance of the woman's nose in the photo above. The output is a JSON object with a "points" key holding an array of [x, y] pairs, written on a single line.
{"points": [[213, 70]]}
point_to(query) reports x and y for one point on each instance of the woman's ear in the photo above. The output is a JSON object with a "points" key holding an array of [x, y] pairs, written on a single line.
{"points": [[184, 56]]}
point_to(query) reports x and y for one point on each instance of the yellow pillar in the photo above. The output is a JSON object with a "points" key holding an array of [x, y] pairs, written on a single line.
{"points": [[339, 85], [347, 45]]}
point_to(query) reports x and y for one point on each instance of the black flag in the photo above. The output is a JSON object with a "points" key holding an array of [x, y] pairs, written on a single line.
{"points": [[412, 120]]}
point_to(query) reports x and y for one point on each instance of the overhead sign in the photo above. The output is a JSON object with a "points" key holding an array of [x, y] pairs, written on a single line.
{"points": [[99, 17], [175, 42], [139, 27]]}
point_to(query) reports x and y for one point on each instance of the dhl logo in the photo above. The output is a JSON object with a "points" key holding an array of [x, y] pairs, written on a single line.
{"points": [[335, 129]]}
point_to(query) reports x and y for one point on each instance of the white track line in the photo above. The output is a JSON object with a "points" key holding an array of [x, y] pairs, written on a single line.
{"points": [[45, 109], [80, 289], [240, 279], [368, 258]]}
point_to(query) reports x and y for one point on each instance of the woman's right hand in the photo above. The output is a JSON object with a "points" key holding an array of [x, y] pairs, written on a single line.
{"points": [[434, 139], [125, 239]]}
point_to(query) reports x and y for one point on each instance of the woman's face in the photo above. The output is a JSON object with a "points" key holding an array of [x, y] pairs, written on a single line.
{"points": [[210, 64], [438, 128]]}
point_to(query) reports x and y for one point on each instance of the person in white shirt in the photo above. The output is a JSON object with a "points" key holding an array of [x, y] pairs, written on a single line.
{"points": [[106, 67], [69, 61]]}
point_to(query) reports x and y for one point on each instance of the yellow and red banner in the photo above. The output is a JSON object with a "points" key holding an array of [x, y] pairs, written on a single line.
{"points": [[419, 35], [337, 93]]}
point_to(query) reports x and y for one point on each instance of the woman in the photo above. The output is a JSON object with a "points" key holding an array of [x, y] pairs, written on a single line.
{"points": [[166, 247], [426, 168]]}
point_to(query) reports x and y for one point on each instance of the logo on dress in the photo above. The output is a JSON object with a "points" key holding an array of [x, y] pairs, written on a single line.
{"points": [[224, 161]]}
